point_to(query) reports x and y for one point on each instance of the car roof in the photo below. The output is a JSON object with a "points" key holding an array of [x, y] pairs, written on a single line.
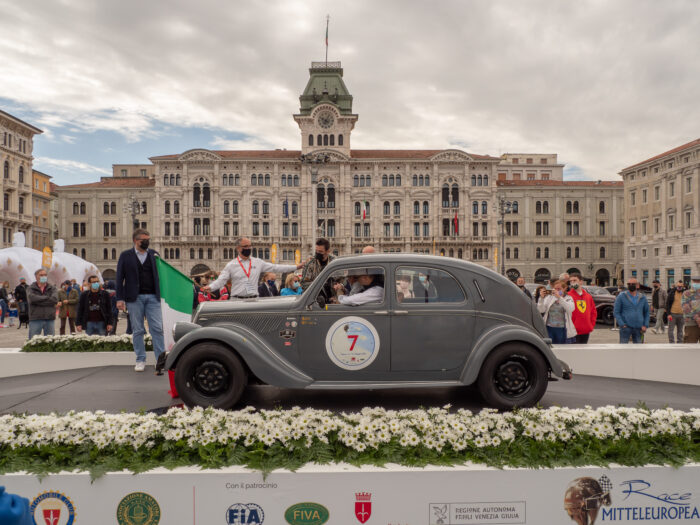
{"points": [[414, 258]]}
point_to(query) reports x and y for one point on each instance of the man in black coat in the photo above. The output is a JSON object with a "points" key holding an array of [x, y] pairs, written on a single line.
{"points": [[22, 304], [138, 290], [94, 309]]}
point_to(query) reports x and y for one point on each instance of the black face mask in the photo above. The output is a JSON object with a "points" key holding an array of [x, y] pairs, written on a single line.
{"points": [[320, 257], [245, 252], [144, 244], [632, 287]]}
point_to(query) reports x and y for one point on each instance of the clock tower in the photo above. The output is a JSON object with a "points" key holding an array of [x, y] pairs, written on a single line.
{"points": [[325, 115]]}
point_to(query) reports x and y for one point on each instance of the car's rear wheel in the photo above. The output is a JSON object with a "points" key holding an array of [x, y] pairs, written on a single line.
{"points": [[209, 374], [513, 375], [607, 315]]}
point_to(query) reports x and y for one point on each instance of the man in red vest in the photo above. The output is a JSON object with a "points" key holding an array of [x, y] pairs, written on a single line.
{"points": [[585, 314]]}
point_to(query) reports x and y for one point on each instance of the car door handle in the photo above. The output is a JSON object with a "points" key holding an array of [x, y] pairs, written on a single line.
{"points": [[381, 312], [400, 312]]}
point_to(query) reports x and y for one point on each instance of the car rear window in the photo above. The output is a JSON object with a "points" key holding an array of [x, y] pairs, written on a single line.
{"points": [[416, 285]]}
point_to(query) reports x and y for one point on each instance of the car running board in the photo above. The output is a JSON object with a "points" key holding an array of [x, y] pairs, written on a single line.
{"points": [[369, 385]]}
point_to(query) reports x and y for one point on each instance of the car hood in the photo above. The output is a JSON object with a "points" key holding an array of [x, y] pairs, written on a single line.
{"points": [[264, 304]]}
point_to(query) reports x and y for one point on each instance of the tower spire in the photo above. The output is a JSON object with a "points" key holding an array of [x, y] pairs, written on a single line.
{"points": [[328, 18]]}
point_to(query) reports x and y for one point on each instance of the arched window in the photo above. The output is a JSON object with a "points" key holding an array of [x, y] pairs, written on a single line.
{"points": [[267, 179], [260, 179], [253, 180], [602, 252], [266, 207], [515, 253], [206, 195], [538, 207], [484, 208], [332, 140], [295, 208], [427, 180], [368, 180], [568, 206], [234, 207], [426, 207], [227, 232], [358, 208], [197, 226], [105, 208], [166, 180], [473, 180], [479, 180], [362, 181], [415, 180], [546, 253], [320, 196], [460, 253], [421, 180], [325, 140], [114, 253], [568, 252], [82, 208], [445, 196], [386, 208], [397, 208], [75, 251], [176, 207], [178, 181], [486, 253], [416, 208], [514, 207], [475, 208], [545, 207], [391, 180], [177, 253], [6, 170], [311, 140], [197, 196], [538, 253], [105, 254], [356, 181], [507, 253], [331, 196], [82, 253], [76, 208], [236, 180], [455, 196], [601, 207], [21, 173], [113, 208], [319, 140], [474, 254], [224, 180], [201, 253], [398, 180], [481, 254], [167, 207], [385, 180], [577, 252], [340, 139], [144, 207], [256, 207], [205, 227], [227, 207], [575, 206], [296, 180], [191, 253], [486, 180]]}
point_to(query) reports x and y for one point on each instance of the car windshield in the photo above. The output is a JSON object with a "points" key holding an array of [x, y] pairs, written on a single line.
{"points": [[597, 290]]}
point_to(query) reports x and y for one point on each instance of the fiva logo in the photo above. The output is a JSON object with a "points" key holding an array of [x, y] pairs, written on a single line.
{"points": [[306, 514], [245, 514]]}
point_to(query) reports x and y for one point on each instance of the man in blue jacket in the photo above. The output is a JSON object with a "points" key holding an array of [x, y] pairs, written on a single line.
{"points": [[632, 313], [138, 288]]}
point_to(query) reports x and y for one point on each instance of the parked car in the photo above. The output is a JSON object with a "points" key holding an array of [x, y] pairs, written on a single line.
{"points": [[604, 303], [436, 322]]}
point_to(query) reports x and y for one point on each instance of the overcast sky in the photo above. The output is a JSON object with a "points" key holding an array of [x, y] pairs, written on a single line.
{"points": [[603, 83]]}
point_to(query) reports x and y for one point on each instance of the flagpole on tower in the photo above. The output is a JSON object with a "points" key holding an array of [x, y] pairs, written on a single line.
{"points": [[328, 17]]}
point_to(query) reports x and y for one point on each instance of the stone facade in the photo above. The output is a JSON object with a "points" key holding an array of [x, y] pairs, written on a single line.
{"points": [[419, 201], [662, 199], [41, 212], [16, 147]]}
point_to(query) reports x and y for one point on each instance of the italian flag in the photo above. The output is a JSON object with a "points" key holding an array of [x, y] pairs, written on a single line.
{"points": [[176, 299]]}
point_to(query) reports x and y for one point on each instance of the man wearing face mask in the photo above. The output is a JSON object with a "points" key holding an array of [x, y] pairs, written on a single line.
{"points": [[691, 311], [317, 263], [268, 288], [95, 309], [244, 272], [43, 300], [674, 307], [658, 306], [138, 289], [631, 313]]}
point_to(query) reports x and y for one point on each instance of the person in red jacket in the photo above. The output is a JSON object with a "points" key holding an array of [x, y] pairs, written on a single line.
{"points": [[585, 314]]}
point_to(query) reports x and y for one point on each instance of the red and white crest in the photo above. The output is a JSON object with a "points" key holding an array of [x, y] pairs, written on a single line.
{"points": [[363, 506]]}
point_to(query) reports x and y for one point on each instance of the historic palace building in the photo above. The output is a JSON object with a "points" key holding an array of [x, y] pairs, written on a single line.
{"points": [[444, 202], [16, 146], [662, 199]]}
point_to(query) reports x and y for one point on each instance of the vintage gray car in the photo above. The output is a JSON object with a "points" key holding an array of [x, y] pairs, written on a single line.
{"points": [[370, 322]]}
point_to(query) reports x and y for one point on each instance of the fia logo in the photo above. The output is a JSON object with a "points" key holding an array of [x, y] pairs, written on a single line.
{"points": [[245, 514], [363, 506]]}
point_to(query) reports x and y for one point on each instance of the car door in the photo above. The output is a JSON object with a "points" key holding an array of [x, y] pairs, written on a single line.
{"points": [[432, 321], [346, 343]]}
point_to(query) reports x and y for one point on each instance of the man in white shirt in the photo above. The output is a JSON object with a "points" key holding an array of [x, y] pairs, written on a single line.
{"points": [[372, 290], [244, 272]]}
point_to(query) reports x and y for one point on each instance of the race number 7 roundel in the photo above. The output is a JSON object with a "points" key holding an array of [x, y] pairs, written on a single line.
{"points": [[352, 343]]}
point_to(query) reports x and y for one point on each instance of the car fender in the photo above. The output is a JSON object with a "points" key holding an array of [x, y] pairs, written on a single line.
{"points": [[498, 336], [269, 367]]}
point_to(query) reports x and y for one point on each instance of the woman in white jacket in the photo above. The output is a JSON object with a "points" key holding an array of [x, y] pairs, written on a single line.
{"points": [[557, 307]]}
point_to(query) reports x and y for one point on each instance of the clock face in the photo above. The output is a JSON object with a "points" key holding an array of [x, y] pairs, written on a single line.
{"points": [[325, 119]]}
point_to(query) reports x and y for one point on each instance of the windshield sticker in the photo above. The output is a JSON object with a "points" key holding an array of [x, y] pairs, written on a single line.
{"points": [[352, 343]]}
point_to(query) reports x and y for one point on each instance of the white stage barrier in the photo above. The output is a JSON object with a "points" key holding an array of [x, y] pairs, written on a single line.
{"points": [[343, 495]]}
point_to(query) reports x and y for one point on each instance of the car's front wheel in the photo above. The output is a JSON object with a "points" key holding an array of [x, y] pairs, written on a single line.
{"points": [[209, 374], [607, 315], [513, 375]]}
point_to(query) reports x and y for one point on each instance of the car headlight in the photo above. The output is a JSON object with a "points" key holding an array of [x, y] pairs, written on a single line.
{"points": [[182, 328]]}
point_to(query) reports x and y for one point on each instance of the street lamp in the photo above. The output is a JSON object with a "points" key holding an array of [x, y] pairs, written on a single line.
{"points": [[135, 209], [504, 207], [312, 161]]}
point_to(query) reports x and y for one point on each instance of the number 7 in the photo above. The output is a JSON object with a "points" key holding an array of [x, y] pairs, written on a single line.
{"points": [[354, 340]]}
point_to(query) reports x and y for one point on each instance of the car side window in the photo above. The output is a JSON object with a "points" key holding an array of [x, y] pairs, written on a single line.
{"points": [[355, 286], [416, 285]]}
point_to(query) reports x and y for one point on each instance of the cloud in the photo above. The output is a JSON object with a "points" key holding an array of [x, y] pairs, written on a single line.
{"points": [[603, 84], [65, 165]]}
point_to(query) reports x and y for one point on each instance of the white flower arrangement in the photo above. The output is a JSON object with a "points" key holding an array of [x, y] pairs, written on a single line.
{"points": [[83, 343], [376, 432]]}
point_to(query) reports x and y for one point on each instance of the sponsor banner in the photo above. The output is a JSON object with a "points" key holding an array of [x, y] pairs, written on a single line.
{"points": [[345, 495]]}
